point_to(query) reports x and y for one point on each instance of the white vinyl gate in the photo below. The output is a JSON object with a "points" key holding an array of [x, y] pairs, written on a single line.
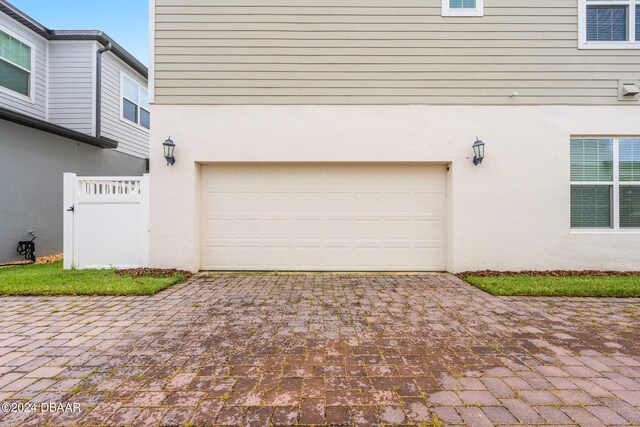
{"points": [[106, 221]]}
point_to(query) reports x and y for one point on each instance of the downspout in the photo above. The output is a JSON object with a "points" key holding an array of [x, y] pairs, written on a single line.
{"points": [[99, 53]]}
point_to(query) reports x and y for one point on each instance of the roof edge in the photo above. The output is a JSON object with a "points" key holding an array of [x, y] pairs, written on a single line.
{"points": [[34, 123], [103, 39], [23, 18], [99, 36]]}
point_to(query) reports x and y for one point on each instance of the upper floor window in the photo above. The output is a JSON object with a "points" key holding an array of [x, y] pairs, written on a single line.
{"points": [[135, 102], [15, 65], [462, 7], [609, 24], [605, 183]]}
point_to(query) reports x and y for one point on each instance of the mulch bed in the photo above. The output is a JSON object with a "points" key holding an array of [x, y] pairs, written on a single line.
{"points": [[49, 259], [39, 260], [153, 272], [551, 273]]}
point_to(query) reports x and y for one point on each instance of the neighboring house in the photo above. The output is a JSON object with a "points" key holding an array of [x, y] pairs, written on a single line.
{"points": [[336, 135], [63, 108]]}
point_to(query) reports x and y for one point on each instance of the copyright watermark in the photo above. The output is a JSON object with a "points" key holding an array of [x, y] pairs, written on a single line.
{"points": [[51, 407]]}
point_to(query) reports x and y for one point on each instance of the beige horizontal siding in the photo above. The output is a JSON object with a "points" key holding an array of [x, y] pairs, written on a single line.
{"points": [[379, 52]]}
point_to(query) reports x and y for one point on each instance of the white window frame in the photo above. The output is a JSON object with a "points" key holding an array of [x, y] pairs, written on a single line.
{"points": [[615, 185], [32, 75], [448, 11], [632, 43], [122, 97]]}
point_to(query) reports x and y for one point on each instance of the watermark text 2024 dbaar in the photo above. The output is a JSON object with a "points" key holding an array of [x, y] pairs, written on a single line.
{"points": [[66, 407]]}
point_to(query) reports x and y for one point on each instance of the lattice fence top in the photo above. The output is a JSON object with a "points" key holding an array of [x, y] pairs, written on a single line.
{"points": [[109, 187]]}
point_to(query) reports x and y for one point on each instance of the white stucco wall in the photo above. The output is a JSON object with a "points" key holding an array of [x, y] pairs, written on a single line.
{"points": [[510, 213]]}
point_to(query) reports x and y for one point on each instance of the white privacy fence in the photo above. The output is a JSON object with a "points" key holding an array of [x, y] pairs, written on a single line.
{"points": [[106, 221]]}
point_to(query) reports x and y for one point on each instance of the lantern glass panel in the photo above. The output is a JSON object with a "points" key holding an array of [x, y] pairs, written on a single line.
{"points": [[168, 148], [478, 149]]}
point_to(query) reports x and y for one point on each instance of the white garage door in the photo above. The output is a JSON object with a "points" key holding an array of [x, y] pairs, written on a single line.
{"points": [[340, 217]]}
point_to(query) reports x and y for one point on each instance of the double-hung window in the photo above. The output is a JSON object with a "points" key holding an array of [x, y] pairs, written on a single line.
{"points": [[609, 24], [462, 7], [135, 102], [605, 183], [15, 65]]}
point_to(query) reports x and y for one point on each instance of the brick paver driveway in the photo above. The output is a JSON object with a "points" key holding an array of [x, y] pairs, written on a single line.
{"points": [[322, 349]]}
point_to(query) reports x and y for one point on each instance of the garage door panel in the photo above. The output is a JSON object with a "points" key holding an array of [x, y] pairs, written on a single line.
{"points": [[336, 229], [398, 256], [429, 228], [339, 201], [308, 202], [396, 199], [250, 228], [363, 229], [222, 255], [368, 202], [398, 229], [247, 259], [323, 217], [217, 202], [306, 229], [276, 201], [276, 256], [432, 256], [427, 203], [366, 256], [278, 229], [218, 228]]}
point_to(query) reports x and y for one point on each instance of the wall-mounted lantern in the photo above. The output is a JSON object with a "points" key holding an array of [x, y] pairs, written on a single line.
{"points": [[169, 146], [478, 151]]}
